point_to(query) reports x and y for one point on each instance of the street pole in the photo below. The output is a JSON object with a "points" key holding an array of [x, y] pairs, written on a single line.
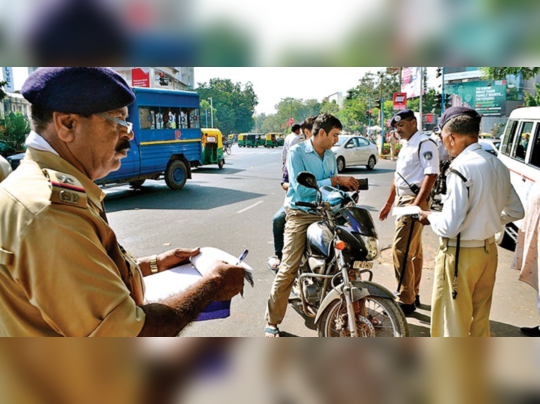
{"points": [[421, 99], [207, 118], [369, 119], [381, 75], [443, 99], [212, 111]]}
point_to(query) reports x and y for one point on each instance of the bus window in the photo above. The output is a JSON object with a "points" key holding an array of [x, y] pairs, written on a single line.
{"points": [[147, 117], [174, 118], [194, 121], [508, 138], [184, 118], [522, 141], [535, 152]]}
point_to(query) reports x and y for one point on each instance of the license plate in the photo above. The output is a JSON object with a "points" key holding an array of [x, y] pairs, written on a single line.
{"points": [[363, 265]]}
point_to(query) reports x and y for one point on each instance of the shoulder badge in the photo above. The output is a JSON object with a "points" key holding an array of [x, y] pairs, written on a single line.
{"points": [[428, 156], [66, 189]]}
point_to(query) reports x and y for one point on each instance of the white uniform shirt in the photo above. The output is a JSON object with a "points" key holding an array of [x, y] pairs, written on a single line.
{"points": [[5, 169], [490, 202], [413, 168], [443, 153], [36, 141], [290, 141]]}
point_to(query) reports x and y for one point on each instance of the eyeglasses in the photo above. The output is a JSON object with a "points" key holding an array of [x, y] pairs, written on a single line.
{"points": [[125, 124]]}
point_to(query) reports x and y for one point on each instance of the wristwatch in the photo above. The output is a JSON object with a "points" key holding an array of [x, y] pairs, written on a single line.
{"points": [[153, 264]]}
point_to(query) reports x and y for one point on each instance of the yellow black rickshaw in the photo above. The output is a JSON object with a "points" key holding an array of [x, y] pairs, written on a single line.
{"points": [[212, 147]]}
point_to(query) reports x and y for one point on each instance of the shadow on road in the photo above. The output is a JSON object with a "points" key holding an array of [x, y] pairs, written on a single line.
{"points": [[363, 171], [216, 170], [160, 197]]}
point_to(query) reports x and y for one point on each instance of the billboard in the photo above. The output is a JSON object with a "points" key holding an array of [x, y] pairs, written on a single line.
{"points": [[8, 78], [488, 98], [412, 81], [140, 77], [400, 101]]}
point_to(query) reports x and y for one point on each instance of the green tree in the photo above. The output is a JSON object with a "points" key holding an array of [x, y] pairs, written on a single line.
{"points": [[530, 100], [329, 107], [235, 104], [3, 94], [500, 73], [13, 132], [206, 112]]}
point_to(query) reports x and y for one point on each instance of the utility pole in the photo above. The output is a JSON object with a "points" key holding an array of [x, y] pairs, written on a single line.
{"points": [[212, 109], [207, 118], [421, 129]]}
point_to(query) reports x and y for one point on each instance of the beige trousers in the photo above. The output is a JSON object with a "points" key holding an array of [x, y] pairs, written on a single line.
{"points": [[468, 315], [415, 260], [295, 245]]}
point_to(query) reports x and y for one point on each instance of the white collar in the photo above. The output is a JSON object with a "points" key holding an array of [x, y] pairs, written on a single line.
{"points": [[37, 142]]}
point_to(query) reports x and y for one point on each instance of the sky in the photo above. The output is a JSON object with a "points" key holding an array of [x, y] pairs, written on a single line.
{"points": [[271, 84]]}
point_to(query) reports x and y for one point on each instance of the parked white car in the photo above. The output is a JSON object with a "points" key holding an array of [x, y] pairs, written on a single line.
{"points": [[490, 145], [353, 151]]}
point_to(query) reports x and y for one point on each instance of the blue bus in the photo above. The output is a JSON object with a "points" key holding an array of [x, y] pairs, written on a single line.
{"points": [[167, 139]]}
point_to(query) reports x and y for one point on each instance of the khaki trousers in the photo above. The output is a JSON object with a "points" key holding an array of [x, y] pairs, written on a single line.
{"points": [[392, 151], [468, 315], [415, 260], [295, 245]]}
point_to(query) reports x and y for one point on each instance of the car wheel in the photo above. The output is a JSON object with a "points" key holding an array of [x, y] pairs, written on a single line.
{"points": [[371, 163], [341, 164]]}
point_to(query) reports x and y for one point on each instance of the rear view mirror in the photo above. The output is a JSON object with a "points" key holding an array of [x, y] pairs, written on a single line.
{"points": [[308, 180]]}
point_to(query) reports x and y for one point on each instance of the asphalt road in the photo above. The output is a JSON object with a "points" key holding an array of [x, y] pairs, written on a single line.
{"points": [[232, 209]]}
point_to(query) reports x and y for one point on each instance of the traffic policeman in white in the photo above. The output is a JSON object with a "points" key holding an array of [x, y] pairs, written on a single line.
{"points": [[480, 201], [416, 173]]}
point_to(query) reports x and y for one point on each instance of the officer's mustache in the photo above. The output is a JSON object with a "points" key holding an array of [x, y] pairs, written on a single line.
{"points": [[124, 145]]}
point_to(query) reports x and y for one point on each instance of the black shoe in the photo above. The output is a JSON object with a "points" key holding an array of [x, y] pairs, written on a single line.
{"points": [[408, 309], [531, 332], [418, 304]]}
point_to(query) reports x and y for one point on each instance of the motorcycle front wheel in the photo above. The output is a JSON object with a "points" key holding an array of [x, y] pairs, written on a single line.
{"points": [[376, 318]]}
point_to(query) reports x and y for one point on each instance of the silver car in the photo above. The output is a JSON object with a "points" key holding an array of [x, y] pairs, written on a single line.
{"points": [[353, 151]]}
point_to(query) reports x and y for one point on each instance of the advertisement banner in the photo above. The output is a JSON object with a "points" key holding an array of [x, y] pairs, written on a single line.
{"points": [[400, 101], [488, 98], [412, 81], [140, 77], [8, 78]]}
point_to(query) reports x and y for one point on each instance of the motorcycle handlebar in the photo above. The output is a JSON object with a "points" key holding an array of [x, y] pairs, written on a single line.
{"points": [[306, 205]]}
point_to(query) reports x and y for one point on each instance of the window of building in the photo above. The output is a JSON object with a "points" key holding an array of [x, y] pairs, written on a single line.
{"points": [[522, 141]]}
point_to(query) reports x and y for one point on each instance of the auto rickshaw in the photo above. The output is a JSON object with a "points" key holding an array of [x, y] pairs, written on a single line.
{"points": [[231, 139], [212, 147], [252, 140], [280, 141], [242, 140], [262, 140], [270, 141]]}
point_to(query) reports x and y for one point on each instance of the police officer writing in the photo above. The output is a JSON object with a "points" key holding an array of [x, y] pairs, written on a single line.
{"points": [[62, 270], [416, 173], [481, 200]]}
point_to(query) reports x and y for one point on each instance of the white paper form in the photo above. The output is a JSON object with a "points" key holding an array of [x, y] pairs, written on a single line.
{"points": [[166, 284], [406, 211]]}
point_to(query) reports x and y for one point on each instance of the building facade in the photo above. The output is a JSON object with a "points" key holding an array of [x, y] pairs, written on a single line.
{"points": [[168, 78]]}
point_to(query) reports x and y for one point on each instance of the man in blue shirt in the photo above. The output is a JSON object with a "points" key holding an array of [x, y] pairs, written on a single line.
{"points": [[315, 156]]}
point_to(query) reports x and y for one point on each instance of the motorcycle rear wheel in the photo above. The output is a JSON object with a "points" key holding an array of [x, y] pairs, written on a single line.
{"points": [[383, 318]]}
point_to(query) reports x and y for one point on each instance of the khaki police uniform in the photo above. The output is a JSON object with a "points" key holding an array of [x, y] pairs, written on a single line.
{"points": [[62, 271], [480, 201], [418, 157], [5, 169]]}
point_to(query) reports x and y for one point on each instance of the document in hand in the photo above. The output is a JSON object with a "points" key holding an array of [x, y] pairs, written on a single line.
{"points": [[406, 211], [165, 284]]}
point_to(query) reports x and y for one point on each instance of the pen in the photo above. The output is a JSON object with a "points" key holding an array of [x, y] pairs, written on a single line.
{"points": [[242, 257]]}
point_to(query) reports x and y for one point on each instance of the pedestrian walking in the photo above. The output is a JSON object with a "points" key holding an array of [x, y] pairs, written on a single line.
{"points": [[394, 141], [528, 245], [416, 172], [481, 200]]}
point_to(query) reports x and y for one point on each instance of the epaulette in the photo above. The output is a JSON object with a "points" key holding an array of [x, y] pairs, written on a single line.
{"points": [[66, 189]]}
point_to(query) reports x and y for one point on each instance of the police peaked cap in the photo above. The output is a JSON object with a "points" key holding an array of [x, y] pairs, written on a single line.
{"points": [[458, 111], [401, 115], [78, 90]]}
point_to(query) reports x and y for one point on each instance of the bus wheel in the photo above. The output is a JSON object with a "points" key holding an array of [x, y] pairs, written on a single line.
{"points": [[176, 175]]}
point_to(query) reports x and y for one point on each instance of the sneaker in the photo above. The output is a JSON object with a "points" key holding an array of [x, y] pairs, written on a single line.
{"points": [[531, 332], [408, 309], [273, 264]]}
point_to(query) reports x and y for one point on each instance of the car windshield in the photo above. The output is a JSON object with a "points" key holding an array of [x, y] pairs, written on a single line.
{"points": [[342, 140]]}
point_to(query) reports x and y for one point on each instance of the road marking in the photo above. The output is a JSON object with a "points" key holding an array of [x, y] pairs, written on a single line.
{"points": [[250, 207]]}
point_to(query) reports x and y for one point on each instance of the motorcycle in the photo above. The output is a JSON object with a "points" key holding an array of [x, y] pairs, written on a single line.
{"points": [[329, 288]]}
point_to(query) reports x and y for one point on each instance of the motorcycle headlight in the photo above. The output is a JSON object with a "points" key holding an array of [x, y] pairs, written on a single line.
{"points": [[372, 246]]}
